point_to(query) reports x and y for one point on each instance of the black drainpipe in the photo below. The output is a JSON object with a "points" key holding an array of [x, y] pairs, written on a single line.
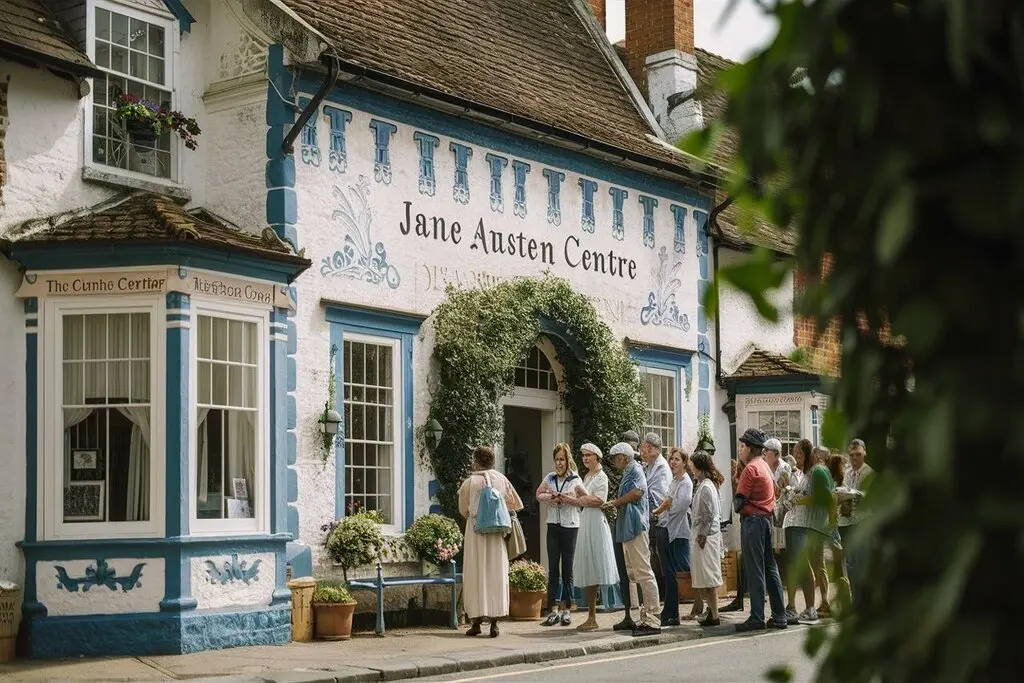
{"points": [[288, 146]]}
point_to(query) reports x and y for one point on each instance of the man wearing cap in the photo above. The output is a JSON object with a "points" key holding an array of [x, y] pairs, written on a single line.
{"points": [[755, 501], [631, 525], [659, 478], [631, 438], [857, 478]]}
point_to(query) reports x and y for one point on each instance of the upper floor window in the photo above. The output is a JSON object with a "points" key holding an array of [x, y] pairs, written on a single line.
{"points": [[135, 51]]}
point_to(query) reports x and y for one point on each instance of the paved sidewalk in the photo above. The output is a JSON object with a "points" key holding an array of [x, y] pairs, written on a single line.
{"points": [[400, 654]]}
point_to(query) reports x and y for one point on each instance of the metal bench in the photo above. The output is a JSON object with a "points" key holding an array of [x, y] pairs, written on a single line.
{"points": [[381, 583]]}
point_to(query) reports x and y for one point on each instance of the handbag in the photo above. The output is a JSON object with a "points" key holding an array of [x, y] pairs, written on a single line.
{"points": [[516, 539], [492, 512]]}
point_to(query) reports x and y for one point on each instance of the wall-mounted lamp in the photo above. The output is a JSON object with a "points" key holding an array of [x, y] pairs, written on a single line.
{"points": [[329, 423], [432, 434]]}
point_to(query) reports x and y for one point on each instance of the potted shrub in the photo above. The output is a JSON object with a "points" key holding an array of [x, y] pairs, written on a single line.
{"points": [[355, 540], [333, 608], [144, 121], [705, 442], [527, 582], [436, 539]]}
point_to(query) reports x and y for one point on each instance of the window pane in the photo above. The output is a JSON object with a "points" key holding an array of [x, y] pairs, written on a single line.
{"points": [[138, 63], [220, 339], [118, 28], [102, 24], [137, 35], [156, 40], [661, 415], [235, 341], [103, 55], [220, 385], [205, 338], [156, 70], [119, 59], [74, 384]]}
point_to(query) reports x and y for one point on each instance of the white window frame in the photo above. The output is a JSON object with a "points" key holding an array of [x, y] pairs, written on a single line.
{"points": [[398, 427], [674, 375], [172, 41], [260, 521], [50, 488]]}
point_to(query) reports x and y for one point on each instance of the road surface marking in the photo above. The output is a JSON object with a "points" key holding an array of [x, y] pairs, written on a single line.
{"points": [[642, 653]]}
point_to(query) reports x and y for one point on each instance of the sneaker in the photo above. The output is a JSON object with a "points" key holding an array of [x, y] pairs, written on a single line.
{"points": [[626, 624], [644, 629], [553, 618], [669, 622], [791, 617], [750, 625], [808, 616], [566, 620], [779, 624]]}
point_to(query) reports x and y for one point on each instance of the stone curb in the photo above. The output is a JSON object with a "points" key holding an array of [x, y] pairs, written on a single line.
{"points": [[472, 661]]}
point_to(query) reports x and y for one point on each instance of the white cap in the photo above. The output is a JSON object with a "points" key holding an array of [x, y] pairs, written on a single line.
{"points": [[773, 445], [590, 448], [622, 448]]}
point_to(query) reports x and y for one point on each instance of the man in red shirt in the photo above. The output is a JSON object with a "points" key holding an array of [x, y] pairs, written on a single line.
{"points": [[755, 501]]}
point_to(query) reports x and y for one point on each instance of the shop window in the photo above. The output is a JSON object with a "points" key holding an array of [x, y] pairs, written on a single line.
{"points": [[660, 391], [372, 407], [230, 457], [135, 51], [784, 425]]}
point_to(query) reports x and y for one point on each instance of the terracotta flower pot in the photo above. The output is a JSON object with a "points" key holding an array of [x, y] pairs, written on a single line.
{"points": [[333, 620], [525, 605]]}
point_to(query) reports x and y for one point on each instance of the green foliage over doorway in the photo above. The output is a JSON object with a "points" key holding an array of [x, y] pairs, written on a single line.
{"points": [[482, 334]]}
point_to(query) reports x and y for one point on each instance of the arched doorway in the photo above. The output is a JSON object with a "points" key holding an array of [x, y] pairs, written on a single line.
{"points": [[535, 420]]}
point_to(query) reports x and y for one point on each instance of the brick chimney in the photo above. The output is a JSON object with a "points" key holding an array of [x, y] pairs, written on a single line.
{"points": [[659, 56], [598, 7]]}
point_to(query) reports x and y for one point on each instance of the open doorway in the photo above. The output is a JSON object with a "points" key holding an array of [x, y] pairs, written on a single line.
{"points": [[523, 459]]}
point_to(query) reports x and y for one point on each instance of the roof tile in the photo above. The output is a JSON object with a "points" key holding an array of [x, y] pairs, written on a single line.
{"points": [[28, 29]]}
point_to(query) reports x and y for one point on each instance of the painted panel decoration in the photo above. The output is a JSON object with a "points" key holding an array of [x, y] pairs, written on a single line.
{"points": [[554, 179], [649, 204], [588, 188], [382, 134], [662, 307], [460, 192], [519, 170], [99, 574], [360, 258], [232, 570], [338, 119], [307, 139], [427, 145], [618, 217], [497, 166], [679, 218], [702, 233]]}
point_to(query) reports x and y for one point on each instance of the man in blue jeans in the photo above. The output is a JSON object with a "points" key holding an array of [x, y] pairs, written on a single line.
{"points": [[755, 501]]}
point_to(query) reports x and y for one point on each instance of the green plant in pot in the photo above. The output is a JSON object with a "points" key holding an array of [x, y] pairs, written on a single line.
{"points": [[436, 539], [145, 120], [354, 541], [705, 442], [527, 581], [333, 608]]}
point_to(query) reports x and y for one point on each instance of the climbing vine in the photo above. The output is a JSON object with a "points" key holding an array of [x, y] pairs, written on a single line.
{"points": [[482, 334]]}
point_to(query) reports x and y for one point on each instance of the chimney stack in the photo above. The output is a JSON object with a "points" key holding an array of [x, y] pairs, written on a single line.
{"points": [[598, 7], [660, 58]]}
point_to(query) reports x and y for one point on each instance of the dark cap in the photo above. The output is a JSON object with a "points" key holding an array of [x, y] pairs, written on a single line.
{"points": [[631, 437], [753, 437]]}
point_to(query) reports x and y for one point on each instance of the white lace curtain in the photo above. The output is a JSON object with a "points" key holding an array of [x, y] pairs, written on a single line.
{"points": [[107, 362]]}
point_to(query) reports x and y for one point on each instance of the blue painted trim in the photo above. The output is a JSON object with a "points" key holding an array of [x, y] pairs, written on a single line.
{"points": [[388, 325], [677, 362], [31, 307], [282, 211], [703, 342], [280, 494], [185, 19], [501, 142], [149, 547]]}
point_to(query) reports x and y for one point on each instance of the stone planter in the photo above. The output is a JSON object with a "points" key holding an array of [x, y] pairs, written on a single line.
{"points": [[525, 605], [333, 620]]}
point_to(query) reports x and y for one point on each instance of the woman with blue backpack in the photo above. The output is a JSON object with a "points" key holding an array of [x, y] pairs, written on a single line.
{"points": [[485, 499]]}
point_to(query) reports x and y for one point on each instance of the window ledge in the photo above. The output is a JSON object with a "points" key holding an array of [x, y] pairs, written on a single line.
{"points": [[118, 179]]}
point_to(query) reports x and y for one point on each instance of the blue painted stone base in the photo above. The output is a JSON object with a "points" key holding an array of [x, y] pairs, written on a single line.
{"points": [[157, 633]]}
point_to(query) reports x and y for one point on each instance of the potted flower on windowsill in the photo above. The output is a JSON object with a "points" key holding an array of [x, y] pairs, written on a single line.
{"points": [[527, 582], [333, 608], [437, 540], [145, 121]]}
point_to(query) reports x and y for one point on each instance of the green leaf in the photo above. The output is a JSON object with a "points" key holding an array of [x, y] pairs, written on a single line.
{"points": [[896, 225], [701, 143], [779, 674], [833, 429], [710, 301], [816, 638]]}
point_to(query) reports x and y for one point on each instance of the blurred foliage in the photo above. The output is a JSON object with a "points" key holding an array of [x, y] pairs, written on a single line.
{"points": [[890, 135]]}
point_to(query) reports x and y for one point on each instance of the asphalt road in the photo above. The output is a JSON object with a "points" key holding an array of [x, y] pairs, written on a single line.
{"points": [[728, 659]]}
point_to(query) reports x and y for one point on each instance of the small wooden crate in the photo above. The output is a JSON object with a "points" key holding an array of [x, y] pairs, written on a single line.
{"points": [[730, 570]]}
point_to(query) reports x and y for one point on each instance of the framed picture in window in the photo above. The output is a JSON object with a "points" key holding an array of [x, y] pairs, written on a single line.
{"points": [[84, 458], [84, 501], [240, 489], [238, 509]]}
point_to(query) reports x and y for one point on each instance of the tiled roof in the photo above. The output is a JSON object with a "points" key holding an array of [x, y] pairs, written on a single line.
{"points": [[141, 217], [30, 32], [738, 228], [534, 59], [761, 363]]}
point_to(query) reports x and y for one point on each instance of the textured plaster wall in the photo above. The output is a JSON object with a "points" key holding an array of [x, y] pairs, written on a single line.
{"points": [[742, 325], [12, 424], [235, 188], [210, 593], [144, 597]]}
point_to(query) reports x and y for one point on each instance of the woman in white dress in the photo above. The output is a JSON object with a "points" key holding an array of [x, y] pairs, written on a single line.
{"points": [[594, 563], [485, 562], [706, 564]]}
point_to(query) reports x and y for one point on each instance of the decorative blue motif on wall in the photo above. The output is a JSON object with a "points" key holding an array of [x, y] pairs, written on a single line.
{"points": [[618, 218], [462, 154], [307, 139], [679, 217], [587, 221], [555, 179], [232, 571], [99, 574], [704, 275], [337, 158], [519, 171], [661, 308], [702, 233], [648, 203], [497, 165], [382, 134], [360, 258], [427, 143]]}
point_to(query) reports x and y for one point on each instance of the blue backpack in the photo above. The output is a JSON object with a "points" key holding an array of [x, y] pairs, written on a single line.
{"points": [[492, 513]]}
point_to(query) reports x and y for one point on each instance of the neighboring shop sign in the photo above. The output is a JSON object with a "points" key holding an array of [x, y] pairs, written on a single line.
{"points": [[155, 281]]}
